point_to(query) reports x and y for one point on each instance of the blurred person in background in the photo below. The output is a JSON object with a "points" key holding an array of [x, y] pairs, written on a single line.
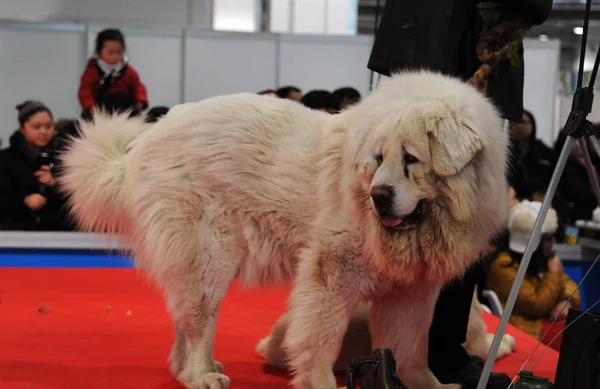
{"points": [[574, 199], [321, 100], [29, 197], [109, 71], [347, 97], [530, 157], [290, 93]]}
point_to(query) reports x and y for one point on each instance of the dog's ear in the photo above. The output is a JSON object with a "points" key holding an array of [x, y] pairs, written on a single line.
{"points": [[452, 145]]}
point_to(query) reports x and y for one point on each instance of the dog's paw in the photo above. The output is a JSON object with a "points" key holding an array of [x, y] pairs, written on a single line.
{"points": [[510, 342], [262, 345], [208, 381]]}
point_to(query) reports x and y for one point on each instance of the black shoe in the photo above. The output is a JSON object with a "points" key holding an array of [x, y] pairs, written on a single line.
{"points": [[469, 376]]}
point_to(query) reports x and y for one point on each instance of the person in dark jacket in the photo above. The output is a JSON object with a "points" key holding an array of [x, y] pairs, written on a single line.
{"points": [[109, 71], [443, 35], [574, 199], [530, 159], [29, 197]]}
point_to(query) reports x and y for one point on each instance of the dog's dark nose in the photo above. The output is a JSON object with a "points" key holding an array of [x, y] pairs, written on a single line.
{"points": [[382, 198]]}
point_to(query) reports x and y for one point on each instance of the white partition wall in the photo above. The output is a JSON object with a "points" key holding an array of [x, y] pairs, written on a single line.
{"points": [[319, 17], [324, 62], [39, 61], [541, 85], [45, 61], [224, 62]]}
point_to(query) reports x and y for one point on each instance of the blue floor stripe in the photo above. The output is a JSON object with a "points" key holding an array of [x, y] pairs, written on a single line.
{"points": [[45, 258], [63, 259]]}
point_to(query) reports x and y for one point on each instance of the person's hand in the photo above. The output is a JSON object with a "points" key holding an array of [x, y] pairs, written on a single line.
{"points": [[35, 201], [555, 265], [561, 310], [44, 176]]}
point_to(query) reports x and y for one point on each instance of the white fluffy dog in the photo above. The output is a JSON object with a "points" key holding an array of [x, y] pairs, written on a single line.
{"points": [[384, 202]]}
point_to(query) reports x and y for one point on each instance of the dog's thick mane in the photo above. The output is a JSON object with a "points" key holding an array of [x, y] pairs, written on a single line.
{"points": [[458, 226]]}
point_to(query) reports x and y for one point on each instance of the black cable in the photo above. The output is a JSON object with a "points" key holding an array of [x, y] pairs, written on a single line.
{"points": [[586, 22]]}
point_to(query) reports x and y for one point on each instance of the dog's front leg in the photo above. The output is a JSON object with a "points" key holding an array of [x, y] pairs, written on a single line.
{"points": [[400, 321], [324, 297]]}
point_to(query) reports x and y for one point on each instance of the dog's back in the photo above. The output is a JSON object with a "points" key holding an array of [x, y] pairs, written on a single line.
{"points": [[241, 165]]}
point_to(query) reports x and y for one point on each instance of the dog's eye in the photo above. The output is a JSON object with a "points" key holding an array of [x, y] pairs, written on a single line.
{"points": [[379, 159], [409, 159]]}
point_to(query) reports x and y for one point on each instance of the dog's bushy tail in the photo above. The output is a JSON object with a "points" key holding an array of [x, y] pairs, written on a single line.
{"points": [[94, 170]]}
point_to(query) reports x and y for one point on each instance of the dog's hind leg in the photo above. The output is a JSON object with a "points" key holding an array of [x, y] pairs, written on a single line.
{"points": [[195, 305], [195, 300], [195, 262]]}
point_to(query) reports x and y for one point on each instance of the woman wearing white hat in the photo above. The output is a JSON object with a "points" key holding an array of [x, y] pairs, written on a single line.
{"points": [[546, 287]]}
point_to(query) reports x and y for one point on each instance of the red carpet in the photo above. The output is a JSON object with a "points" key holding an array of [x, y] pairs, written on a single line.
{"points": [[106, 328]]}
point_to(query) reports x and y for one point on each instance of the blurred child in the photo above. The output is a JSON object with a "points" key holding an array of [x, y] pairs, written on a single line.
{"points": [[108, 72]]}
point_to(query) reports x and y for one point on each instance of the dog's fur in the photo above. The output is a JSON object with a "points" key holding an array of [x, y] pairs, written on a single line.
{"points": [[264, 189]]}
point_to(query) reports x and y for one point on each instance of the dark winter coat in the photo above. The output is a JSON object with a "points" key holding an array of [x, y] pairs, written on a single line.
{"points": [[18, 163], [532, 170], [442, 35]]}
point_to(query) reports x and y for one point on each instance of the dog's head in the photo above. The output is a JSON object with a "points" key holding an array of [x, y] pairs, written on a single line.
{"points": [[428, 160]]}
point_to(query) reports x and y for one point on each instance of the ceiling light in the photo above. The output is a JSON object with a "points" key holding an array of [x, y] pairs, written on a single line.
{"points": [[544, 38], [578, 30]]}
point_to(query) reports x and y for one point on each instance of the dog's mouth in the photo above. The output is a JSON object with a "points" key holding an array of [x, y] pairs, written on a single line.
{"points": [[405, 222]]}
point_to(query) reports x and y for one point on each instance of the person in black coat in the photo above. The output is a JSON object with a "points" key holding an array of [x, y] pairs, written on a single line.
{"points": [[531, 160], [442, 35], [574, 199], [29, 197]]}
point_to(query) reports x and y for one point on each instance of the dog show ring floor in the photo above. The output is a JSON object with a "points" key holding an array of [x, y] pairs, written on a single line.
{"points": [[101, 328]]}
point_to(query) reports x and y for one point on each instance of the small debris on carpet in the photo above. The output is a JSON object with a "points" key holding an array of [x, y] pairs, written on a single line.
{"points": [[128, 313], [109, 308], [44, 309]]}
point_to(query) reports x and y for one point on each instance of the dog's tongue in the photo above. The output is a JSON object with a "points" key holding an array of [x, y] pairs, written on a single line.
{"points": [[392, 221]]}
